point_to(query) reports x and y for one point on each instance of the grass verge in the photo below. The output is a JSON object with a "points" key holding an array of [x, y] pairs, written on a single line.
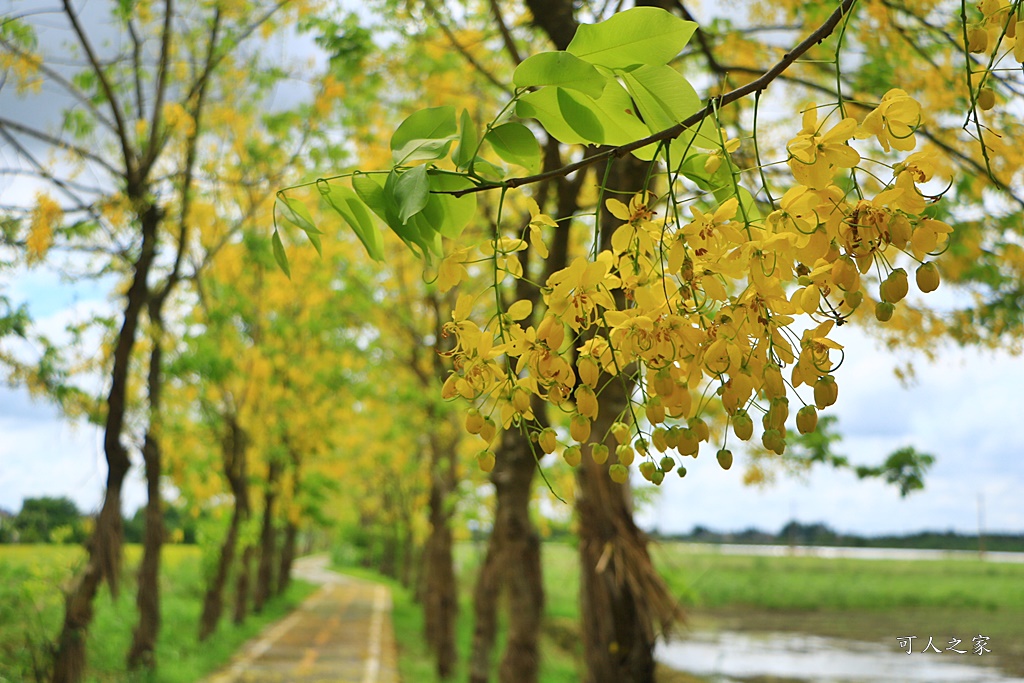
{"points": [[31, 609], [866, 600]]}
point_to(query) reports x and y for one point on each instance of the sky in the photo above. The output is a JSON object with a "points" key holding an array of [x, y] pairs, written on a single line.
{"points": [[964, 409]]}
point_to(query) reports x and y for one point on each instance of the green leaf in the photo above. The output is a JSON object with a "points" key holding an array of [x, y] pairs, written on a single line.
{"points": [[411, 190], [379, 199], [426, 135], [641, 35], [515, 143], [348, 205], [488, 171], [543, 106], [372, 194], [663, 96], [279, 255], [296, 213], [562, 69], [618, 116], [408, 231], [463, 154], [314, 239], [578, 112], [568, 116], [430, 238], [447, 214]]}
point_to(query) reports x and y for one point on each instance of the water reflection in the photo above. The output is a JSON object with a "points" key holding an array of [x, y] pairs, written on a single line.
{"points": [[731, 657]]}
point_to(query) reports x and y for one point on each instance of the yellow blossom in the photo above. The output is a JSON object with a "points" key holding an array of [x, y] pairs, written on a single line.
{"points": [[893, 122], [814, 158], [46, 215]]}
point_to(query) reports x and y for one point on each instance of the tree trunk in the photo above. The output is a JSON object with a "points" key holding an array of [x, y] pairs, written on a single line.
{"points": [[213, 600], [485, 608], [233, 447], [622, 595], [284, 573], [440, 596], [291, 529], [265, 573], [387, 538], [513, 560], [143, 649], [104, 546], [243, 586]]}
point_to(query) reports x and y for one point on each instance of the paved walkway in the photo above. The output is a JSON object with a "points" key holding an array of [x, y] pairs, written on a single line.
{"points": [[340, 634]]}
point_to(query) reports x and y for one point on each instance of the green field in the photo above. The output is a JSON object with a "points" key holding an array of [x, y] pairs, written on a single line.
{"points": [[31, 609], [873, 600], [869, 600]]}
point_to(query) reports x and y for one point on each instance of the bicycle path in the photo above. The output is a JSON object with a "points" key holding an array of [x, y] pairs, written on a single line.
{"points": [[340, 634]]}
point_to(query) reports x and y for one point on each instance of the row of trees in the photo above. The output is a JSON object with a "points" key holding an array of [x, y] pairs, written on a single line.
{"points": [[44, 520], [592, 308], [315, 391]]}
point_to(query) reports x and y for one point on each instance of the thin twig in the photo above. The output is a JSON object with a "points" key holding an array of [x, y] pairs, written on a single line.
{"points": [[57, 143], [462, 49], [510, 43], [108, 91], [152, 149], [55, 77]]}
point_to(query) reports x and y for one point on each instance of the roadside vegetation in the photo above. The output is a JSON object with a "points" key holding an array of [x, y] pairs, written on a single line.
{"points": [[865, 600], [31, 603]]}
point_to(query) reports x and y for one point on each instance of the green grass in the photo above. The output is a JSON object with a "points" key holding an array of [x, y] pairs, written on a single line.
{"points": [[31, 609], [809, 583], [873, 600]]}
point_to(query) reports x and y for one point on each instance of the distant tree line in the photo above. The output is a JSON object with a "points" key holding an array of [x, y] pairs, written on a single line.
{"points": [[796, 533], [50, 519]]}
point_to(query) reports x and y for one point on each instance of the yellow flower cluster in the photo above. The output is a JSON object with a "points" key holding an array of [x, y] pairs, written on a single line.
{"points": [[700, 312], [46, 216]]}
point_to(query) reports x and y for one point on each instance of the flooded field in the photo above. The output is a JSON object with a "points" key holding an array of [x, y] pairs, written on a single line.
{"points": [[748, 657]]}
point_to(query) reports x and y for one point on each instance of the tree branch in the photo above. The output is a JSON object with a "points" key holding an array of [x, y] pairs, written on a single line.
{"points": [[140, 102], [55, 77], [57, 143], [967, 161], [108, 91], [189, 178], [823, 32], [462, 49], [46, 175], [153, 149], [506, 36]]}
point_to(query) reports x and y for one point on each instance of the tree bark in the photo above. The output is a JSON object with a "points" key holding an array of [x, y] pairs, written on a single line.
{"points": [[213, 600], [288, 547], [104, 546], [512, 561], [243, 586], [143, 649], [440, 597], [233, 447], [265, 573], [387, 535], [623, 598], [291, 528]]}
